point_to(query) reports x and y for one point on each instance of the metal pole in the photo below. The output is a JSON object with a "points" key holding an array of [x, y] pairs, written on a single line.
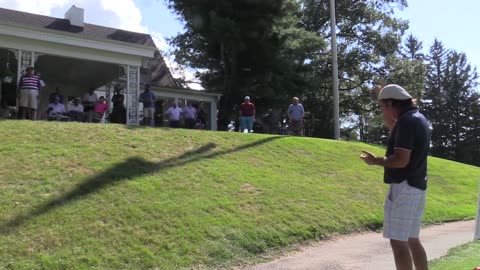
{"points": [[336, 96], [477, 223]]}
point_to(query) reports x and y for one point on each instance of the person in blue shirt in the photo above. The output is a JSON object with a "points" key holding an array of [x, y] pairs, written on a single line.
{"points": [[148, 100], [295, 116], [52, 97]]}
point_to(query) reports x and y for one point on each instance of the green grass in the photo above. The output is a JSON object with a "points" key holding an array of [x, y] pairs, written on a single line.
{"points": [[81, 196], [463, 257]]}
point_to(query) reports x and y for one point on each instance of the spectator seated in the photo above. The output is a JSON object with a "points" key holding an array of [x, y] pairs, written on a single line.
{"points": [[200, 125], [56, 111], [99, 110], [75, 110]]}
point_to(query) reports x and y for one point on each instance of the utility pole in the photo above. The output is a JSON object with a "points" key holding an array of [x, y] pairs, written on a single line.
{"points": [[336, 96]]}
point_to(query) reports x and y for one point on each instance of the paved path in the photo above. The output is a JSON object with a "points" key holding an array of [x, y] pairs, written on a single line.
{"points": [[370, 251]]}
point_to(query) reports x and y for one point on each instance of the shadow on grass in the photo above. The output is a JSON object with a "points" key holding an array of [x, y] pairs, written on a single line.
{"points": [[124, 171]]}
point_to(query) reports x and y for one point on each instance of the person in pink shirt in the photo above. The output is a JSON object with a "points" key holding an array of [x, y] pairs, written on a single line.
{"points": [[100, 109]]}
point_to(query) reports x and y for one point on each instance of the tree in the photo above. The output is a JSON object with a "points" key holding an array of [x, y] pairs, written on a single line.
{"points": [[433, 101], [412, 49], [469, 149], [367, 34], [244, 47], [407, 68], [450, 101]]}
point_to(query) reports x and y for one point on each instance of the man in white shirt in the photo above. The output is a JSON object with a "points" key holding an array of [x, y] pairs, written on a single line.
{"points": [[56, 110], [173, 114], [89, 100], [75, 110]]}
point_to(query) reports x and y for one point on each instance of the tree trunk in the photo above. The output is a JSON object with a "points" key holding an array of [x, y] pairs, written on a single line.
{"points": [[230, 85]]}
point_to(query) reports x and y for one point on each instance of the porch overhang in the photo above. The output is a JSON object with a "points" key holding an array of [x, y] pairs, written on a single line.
{"points": [[189, 94], [186, 93], [46, 41], [112, 46]]}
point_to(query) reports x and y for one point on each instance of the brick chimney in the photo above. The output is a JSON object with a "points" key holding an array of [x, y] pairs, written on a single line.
{"points": [[76, 16]]}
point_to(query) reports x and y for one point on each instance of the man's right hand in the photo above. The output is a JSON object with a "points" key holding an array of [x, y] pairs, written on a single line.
{"points": [[368, 157]]}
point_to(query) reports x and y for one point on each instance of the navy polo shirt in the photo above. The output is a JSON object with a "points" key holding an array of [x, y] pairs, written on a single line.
{"points": [[411, 132]]}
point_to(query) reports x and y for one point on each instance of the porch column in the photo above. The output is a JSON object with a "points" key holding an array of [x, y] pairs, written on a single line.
{"points": [[213, 114], [133, 89], [35, 56], [24, 59], [108, 97]]}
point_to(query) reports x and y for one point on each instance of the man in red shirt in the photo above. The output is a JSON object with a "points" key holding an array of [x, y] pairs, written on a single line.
{"points": [[247, 115]]}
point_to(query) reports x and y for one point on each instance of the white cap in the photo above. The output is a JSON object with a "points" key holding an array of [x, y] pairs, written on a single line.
{"points": [[394, 91], [247, 97]]}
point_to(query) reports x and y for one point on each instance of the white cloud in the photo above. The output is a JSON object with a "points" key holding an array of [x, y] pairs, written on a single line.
{"points": [[122, 14], [183, 73], [44, 7], [178, 71], [159, 40], [128, 13]]}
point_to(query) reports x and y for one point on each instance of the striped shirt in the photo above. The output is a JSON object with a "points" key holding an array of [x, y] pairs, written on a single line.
{"points": [[29, 82]]}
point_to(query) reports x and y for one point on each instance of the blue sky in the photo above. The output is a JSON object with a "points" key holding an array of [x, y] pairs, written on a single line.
{"points": [[158, 16], [455, 23]]}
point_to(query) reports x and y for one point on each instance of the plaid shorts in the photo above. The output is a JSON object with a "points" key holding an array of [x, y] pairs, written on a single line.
{"points": [[403, 211], [29, 98]]}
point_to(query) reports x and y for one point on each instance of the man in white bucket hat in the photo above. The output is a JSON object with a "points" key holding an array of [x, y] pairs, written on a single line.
{"points": [[405, 170]]}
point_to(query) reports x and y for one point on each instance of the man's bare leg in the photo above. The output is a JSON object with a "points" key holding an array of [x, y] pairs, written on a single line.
{"points": [[401, 253], [33, 114], [419, 255], [23, 112]]}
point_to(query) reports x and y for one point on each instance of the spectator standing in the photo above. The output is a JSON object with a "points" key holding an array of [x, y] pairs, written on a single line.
{"points": [[296, 114], [148, 100], [158, 113], [201, 114], [29, 86], [173, 114], [89, 100], [247, 115], [190, 116], [4, 109], [119, 112]]}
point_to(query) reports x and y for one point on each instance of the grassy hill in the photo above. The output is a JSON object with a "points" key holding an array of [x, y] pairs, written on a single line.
{"points": [[82, 196], [462, 257]]}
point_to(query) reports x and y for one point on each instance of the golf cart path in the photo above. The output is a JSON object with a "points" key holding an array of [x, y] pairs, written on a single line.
{"points": [[370, 251]]}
